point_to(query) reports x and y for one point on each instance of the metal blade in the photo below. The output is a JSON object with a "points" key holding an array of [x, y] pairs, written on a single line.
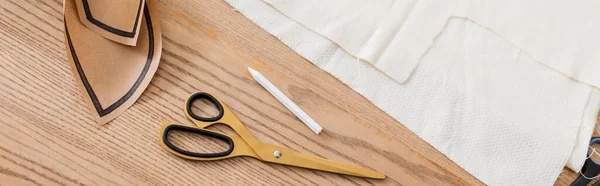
{"points": [[270, 153]]}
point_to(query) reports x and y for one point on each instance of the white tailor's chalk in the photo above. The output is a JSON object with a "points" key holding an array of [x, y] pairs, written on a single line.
{"points": [[312, 124]]}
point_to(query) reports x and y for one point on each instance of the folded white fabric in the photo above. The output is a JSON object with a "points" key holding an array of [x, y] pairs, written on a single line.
{"points": [[394, 34], [481, 98]]}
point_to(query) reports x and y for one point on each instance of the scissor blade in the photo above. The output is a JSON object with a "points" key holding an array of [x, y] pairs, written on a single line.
{"points": [[293, 158]]}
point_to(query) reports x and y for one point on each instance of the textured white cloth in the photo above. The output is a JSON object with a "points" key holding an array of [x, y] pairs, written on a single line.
{"points": [[475, 95], [394, 34]]}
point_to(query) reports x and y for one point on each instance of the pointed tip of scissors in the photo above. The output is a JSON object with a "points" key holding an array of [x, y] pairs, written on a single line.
{"points": [[379, 175], [367, 173]]}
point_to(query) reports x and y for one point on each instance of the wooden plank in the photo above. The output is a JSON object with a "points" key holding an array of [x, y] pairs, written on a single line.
{"points": [[48, 136]]}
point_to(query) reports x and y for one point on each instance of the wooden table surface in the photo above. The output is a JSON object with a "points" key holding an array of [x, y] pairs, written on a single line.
{"points": [[47, 135]]}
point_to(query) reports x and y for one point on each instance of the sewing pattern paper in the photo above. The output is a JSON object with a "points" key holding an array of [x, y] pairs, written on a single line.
{"points": [[486, 100], [112, 74]]}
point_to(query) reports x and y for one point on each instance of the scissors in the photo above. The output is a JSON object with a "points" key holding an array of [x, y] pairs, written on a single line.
{"points": [[246, 144], [590, 169]]}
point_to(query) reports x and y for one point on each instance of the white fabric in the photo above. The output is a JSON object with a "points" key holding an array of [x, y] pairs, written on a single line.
{"points": [[394, 34], [475, 96]]}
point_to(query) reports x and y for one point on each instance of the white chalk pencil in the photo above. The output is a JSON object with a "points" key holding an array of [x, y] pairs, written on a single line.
{"points": [[312, 124]]}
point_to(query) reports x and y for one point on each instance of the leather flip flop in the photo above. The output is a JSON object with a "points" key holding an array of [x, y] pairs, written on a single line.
{"points": [[111, 71]]}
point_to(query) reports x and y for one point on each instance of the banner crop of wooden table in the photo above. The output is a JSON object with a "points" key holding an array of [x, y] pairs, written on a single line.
{"points": [[48, 137]]}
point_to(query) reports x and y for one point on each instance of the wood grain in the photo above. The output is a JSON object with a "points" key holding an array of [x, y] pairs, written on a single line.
{"points": [[48, 137]]}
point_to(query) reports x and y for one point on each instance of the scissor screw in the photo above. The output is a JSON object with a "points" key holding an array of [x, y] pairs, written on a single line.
{"points": [[277, 154]]}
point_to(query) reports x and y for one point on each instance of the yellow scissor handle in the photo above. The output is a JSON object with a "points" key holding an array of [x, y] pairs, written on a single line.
{"points": [[237, 146], [225, 117]]}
